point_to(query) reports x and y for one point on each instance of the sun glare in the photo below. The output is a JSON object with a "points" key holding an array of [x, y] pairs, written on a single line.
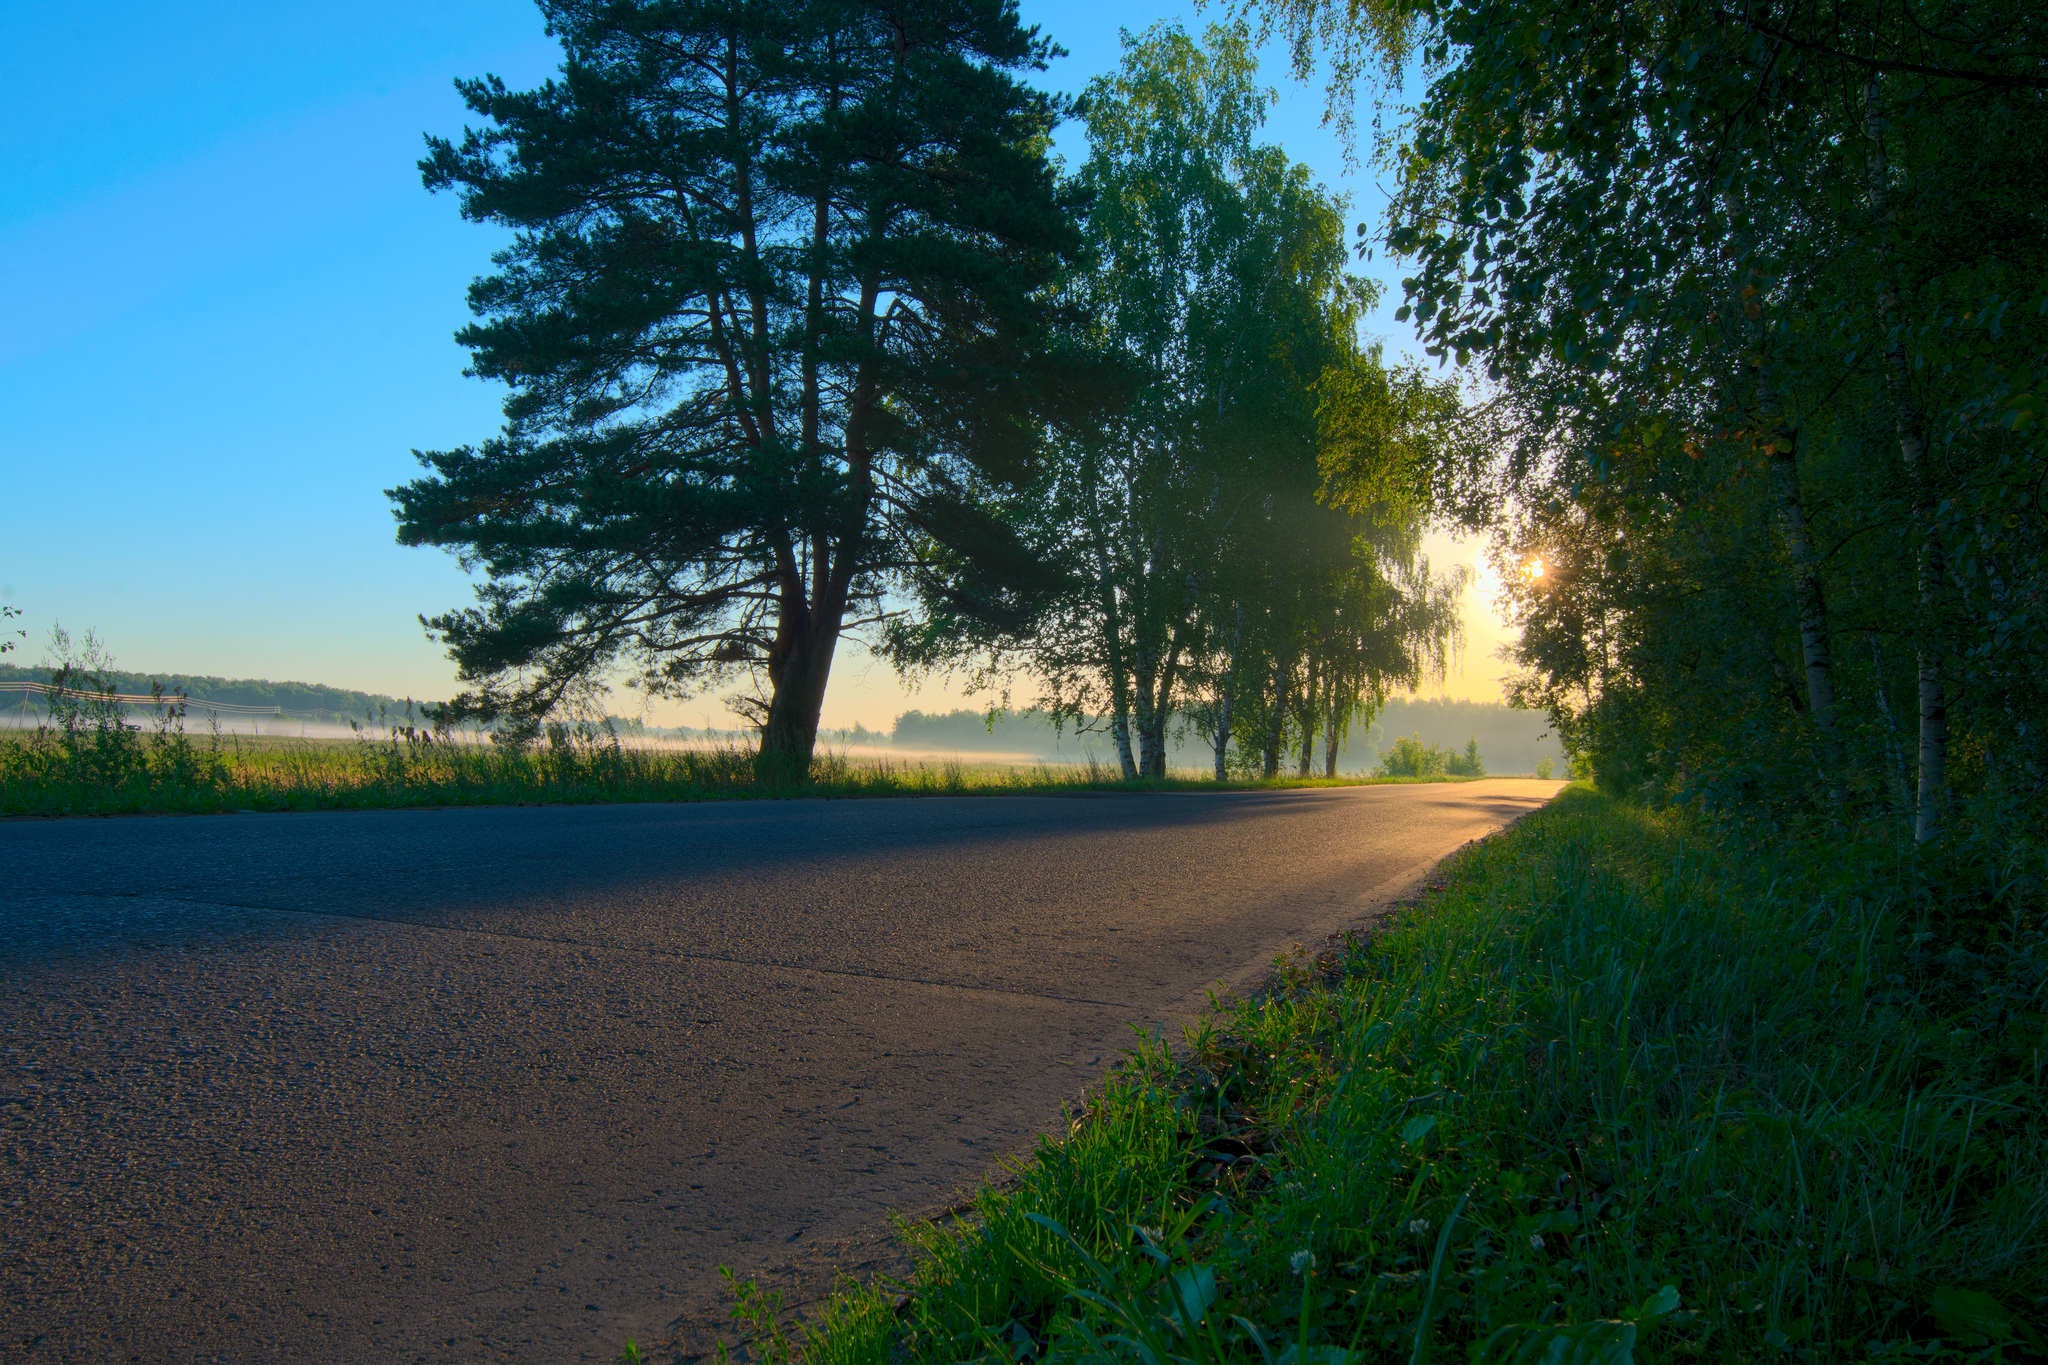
{"points": [[1533, 569]]}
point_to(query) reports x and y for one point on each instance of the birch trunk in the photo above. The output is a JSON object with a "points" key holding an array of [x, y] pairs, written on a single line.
{"points": [[1143, 684], [1276, 723], [1308, 718], [1811, 602], [1330, 735], [1120, 728], [1226, 707], [1225, 704], [1911, 425], [1152, 744]]}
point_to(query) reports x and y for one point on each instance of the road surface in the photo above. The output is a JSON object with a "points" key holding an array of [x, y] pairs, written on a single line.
{"points": [[492, 1084]]}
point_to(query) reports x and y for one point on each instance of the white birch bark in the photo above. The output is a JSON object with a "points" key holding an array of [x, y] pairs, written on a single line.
{"points": [[1276, 723], [1807, 595], [1308, 720], [1911, 424]]}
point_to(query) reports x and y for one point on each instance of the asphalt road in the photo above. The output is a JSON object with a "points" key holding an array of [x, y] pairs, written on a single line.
{"points": [[510, 1083]]}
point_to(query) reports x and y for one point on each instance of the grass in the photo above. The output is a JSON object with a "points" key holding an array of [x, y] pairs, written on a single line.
{"points": [[118, 771], [1612, 1094]]}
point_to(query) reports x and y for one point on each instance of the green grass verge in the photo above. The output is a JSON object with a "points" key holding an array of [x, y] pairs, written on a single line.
{"points": [[1609, 1095], [129, 772]]}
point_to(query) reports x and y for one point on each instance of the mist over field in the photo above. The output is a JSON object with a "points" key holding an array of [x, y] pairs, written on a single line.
{"points": [[1510, 741]]}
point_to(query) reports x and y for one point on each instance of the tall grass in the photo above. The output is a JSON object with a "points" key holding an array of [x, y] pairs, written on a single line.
{"points": [[1610, 1096], [117, 768]]}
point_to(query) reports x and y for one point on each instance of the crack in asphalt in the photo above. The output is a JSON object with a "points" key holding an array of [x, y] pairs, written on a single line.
{"points": [[629, 949]]}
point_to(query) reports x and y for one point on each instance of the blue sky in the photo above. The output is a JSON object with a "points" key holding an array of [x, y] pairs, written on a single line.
{"points": [[229, 308]]}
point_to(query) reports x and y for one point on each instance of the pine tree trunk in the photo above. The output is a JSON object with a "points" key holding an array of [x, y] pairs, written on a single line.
{"points": [[798, 669]]}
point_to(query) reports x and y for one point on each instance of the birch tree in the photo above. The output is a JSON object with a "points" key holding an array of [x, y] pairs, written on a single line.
{"points": [[1757, 294], [1216, 285], [1204, 573]]}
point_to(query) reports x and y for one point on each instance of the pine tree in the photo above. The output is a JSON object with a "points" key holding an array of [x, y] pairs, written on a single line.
{"points": [[773, 323]]}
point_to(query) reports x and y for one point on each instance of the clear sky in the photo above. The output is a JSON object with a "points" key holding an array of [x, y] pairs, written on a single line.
{"points": [[228, 309]]}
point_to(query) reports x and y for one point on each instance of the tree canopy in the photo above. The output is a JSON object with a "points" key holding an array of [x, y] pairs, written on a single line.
{"points": [[774, 319], [1200, 575], [1757, 292]]}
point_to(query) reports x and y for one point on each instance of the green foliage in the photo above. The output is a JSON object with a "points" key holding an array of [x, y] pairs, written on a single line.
{"points": [[1613, 1094], [775, 321], [1759, 297], [86, 743], [1199, 574], [1408, 756], [760, 1312]]}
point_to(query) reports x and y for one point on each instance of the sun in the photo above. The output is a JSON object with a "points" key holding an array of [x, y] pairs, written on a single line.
{"points": [[1533, 569]]}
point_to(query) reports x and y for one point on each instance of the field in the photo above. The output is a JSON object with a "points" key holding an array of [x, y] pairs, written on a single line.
{"points": [[118, 771], [1608, 1094]]}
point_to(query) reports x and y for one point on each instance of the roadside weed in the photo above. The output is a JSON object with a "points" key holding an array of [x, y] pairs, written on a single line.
{"points": [[116, 767]]}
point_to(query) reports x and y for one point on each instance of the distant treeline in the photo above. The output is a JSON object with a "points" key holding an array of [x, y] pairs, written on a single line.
{"points": [[303, 700], [970, 732], [1510, 741]]}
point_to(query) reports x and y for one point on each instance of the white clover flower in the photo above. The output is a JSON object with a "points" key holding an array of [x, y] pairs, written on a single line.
{"points": [[1302, 1261], [1536, 1241], [1420, 1227]]}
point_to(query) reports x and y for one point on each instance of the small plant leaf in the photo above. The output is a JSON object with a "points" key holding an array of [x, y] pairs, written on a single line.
{"points": [[1659, 1304], [1972, 1315]]}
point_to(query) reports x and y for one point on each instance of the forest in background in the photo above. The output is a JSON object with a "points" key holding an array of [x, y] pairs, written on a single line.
{"points": [[1510, 741], [308, 701]]}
